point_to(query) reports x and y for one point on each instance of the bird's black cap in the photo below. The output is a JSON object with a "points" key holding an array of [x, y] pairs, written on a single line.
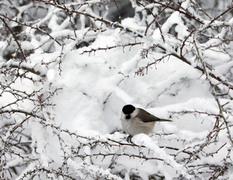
{"points": [[128, 109]]}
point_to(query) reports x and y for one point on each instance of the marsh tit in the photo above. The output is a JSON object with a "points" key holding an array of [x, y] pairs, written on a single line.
{"points": [[136, 120]]}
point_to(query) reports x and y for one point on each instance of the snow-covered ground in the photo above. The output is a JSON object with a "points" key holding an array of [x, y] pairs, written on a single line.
{"points": [[95, 86]]}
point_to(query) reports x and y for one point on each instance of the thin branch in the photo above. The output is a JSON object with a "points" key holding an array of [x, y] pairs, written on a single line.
{"points": [[110, 47], [15, 38], [179, 9], [31, 26], [227, 84], [214, 93], [28, 69], [95, 18], [26, 113], [220, 15], [19, 125]]}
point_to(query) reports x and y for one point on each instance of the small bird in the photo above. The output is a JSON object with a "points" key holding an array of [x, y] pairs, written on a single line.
{"points": [[136, 120]]}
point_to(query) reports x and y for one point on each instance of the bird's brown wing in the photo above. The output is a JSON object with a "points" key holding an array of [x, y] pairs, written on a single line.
{"points": [[147, 117]]}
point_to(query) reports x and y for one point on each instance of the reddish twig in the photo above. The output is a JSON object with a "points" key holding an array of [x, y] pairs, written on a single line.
{"points": [[20, 124]]}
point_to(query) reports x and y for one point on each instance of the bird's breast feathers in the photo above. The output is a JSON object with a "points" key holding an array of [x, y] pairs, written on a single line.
{"points": [[136, 126]]}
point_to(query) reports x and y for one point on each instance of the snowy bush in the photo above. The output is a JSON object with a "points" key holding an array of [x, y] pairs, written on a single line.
{"points": [[67, 67]]}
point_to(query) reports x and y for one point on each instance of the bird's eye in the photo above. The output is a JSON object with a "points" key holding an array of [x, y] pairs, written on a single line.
{"points": [[127, 116]]}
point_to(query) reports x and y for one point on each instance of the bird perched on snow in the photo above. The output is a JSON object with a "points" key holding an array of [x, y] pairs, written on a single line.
{"points": [[136, 120]]}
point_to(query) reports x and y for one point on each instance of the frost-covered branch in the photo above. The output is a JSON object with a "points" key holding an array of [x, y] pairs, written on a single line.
{"points": [[213, 92]]}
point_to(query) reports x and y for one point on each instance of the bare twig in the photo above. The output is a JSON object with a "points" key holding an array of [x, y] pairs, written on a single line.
{"points": [[214, 93]]}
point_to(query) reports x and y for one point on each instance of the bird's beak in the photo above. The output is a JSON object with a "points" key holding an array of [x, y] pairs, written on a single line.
{"points": [[127, 116]]}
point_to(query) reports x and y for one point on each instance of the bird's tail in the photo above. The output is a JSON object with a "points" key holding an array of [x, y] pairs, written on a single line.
{"points": [[168, 120]]}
